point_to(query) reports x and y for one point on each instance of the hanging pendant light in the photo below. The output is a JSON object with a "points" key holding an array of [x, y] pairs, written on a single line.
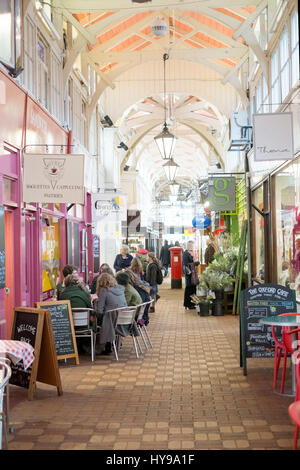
{"points": [[171, 169], [174, 188], [165, 141]]}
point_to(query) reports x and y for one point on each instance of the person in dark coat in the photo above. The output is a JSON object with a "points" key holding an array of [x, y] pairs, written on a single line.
{"points": [[188, 262], [165, 257], [104, 268], [152, 274], [209, 252], [123, 260]]}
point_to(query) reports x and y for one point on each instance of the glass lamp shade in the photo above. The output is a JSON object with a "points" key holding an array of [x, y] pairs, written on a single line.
{"points": [[174, 188], [166, 143], [170, 168]]}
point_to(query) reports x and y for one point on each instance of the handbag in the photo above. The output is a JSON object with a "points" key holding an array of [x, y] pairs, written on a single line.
{"points": [[194, 277]]}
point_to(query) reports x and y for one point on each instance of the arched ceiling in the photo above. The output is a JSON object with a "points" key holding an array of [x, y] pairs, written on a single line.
{"points": [[214, 34]]}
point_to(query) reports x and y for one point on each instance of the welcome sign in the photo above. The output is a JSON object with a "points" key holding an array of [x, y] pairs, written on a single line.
{"points": [[273, 136], [53, 178]]}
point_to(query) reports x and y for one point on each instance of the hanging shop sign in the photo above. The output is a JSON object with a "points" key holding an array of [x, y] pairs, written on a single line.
{"points": [[221, 194], [109, 205], [273, 136], [53, 178], [201, 221]]}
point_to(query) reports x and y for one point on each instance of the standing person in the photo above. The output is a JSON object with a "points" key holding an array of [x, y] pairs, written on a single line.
{"points": [[209, 251], [189, 264], [165, 257], [123, 260], [153, 274], [104, 268], [141, 254], [110, 296]]}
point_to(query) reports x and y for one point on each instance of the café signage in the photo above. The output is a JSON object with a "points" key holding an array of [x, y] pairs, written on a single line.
{"points": [[221, 194], [273, 136], [53, 178]]}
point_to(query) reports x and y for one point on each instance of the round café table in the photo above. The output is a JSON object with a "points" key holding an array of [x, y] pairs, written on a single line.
{"points": [[293, 321]]}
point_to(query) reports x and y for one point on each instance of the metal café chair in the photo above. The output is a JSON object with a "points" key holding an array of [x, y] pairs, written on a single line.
{"points": [[85, 325], [125, 317], [150, 302], [5, 374]]}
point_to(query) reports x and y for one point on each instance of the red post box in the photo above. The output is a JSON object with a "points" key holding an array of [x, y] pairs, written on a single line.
{"points": [[176, 267]]}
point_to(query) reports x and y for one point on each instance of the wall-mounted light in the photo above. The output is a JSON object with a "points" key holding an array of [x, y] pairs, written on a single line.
{"points": [[123, 146]]}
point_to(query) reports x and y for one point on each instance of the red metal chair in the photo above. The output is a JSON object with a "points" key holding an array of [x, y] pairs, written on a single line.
{"points": [[294, 412], [285, 346]]}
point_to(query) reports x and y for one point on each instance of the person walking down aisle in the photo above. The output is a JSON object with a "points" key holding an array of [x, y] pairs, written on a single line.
{"points": [[165, 257], [189, 265], [142, 254], [209, 251], [123, 260], [154, 275]]}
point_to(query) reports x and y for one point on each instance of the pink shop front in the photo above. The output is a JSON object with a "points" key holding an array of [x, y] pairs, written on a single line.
{"points": [[36, 240]]}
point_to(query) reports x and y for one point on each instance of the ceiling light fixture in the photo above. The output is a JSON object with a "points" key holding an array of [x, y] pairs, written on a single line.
{"points": [[171, 169], [174, 188], [165, 141]]}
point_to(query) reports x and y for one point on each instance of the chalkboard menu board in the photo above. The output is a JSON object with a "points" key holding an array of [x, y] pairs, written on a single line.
{"points": [[27, 327], [258, 302], [63, 328], [2, 248]]}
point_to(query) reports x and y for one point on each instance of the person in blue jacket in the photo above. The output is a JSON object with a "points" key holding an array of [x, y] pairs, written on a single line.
{"points": [[123, 260]]}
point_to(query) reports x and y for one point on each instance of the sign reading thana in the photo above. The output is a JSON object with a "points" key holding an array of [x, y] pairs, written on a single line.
{"points": [[273, 136], [53, 178]]}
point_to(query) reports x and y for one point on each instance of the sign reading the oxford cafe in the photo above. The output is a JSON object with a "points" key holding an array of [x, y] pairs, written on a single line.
{"points": [[53, 178], [221, 194]]}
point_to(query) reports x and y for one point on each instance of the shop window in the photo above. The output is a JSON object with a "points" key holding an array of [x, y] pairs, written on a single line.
{"points": [[287, 205], [258, 98], [29, 55], [50, 254], [42, 72], [284, 64], [295, 47], [258, 232], [8, 190], [265, 94], [275, 84], [79, 211], [56, 86], [11, 35]]}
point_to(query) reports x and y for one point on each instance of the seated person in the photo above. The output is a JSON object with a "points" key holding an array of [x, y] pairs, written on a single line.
{"points": [[68, 269], [110, 296], [76, 292], [104, 268], [143, 288], [132, 296]]}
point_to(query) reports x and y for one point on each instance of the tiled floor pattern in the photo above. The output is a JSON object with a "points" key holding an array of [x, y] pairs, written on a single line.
{"points": [[189, 393]]}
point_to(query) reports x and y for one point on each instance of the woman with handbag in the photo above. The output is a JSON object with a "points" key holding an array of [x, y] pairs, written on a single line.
{"points": [[191, 276]]}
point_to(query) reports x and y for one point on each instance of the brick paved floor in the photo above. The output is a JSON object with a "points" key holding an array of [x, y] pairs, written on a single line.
{"points": [[187, 393]]}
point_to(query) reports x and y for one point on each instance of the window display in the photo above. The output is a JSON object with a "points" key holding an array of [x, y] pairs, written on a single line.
{"points": [[51, 255], [258, 235], [287, 206]]}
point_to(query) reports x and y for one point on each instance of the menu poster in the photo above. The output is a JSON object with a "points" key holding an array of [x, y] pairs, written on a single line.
{"points": [[258, 302], [63, 328]]}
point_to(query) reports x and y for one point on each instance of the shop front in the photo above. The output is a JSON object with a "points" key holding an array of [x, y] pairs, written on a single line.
{"points": [[33, 236]]}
